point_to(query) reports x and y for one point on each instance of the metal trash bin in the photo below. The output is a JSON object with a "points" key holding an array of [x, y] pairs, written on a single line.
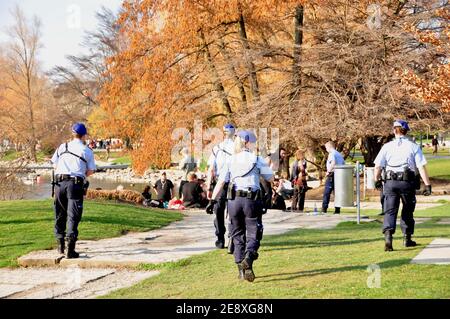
{"points": [[370, 178], [343, 186]]}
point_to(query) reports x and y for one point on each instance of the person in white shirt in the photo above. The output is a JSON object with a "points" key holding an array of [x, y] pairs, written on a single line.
{"points": [[334, 158], [400, 159], [220, 156], [73, 162]]}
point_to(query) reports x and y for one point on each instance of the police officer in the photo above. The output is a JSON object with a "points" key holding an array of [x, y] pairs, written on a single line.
{"points": [[334, 158], [73, 162], [220, 155], [400, 159], [244, 203]]}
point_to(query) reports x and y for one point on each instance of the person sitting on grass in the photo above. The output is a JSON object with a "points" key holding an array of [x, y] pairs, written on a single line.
{"points": [[193, 195], [147, 196], [164, 189]]}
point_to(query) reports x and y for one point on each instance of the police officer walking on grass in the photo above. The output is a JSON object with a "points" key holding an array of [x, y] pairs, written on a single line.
{"points": [[400, 160], [220, 156], [245, 206], [73, 162]]}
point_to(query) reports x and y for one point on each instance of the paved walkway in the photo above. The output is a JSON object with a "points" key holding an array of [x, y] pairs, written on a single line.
{"points": [[46, 283], [421, 204], [192, 236], [437, 252], [101, 267]]}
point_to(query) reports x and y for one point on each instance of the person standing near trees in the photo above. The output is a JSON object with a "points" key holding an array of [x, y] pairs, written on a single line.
{"points": [[334, 158], [187, 164], [298, 178], [400, 159], [279, 163], [108, 150], [73, 162], [435, 144]]}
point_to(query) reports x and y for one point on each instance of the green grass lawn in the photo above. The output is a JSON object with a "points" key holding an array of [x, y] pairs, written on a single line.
{"points": [[13, 155], [439, 168], [437, 212], [310, 263], [115, 157], [122, 160], [441, 151], [26, 226]]}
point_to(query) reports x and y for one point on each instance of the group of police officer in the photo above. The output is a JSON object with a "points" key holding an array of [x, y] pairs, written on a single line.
{"points": [[235, 176]]}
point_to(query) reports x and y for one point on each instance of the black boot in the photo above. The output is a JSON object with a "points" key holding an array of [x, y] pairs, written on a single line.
{"points": [[407, 242], [71, 253], [388, 241], [241, 275], [247, 265], [61, 246], [220, 243], [230, 246]]}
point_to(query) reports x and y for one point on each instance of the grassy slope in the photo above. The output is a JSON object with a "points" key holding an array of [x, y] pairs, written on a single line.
{"points": [[28, 225], [437, 212], [13, 155], [310, 264], [439, 168], [114, 157]]}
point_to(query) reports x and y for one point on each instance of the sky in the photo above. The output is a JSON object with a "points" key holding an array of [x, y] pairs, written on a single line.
{"points": [[63, 24]]}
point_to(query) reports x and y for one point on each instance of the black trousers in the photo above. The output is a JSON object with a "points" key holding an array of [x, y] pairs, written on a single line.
{"points": [[247, 229], [329, 188], [394, 191], [219, 212], [298, 199], [68, 206]]}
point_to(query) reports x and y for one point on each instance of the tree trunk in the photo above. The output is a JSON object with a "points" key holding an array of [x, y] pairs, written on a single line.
{"points": [[33, 142], [218, 86], [248, 59], [296, 69], [371, 146], [233, 73]]}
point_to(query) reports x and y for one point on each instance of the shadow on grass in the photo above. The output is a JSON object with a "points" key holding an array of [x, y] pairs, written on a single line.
{"points": [[314, 272], [14, 245], [294, 244], [25, 221]]}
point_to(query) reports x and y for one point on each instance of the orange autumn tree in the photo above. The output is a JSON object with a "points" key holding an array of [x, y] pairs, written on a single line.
{"points": [[23, 87], [314, 69], [187, 60], [430, 81], [351, 89]]}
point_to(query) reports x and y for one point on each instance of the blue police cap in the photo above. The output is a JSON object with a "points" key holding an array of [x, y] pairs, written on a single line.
{"points": [[229, 127], [401, 123], [247, 136], [79, 128]]}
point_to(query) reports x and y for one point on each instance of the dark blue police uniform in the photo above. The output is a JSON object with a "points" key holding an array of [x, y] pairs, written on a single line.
{"points": [[400, 160], [72, 160], [244, 204]]}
